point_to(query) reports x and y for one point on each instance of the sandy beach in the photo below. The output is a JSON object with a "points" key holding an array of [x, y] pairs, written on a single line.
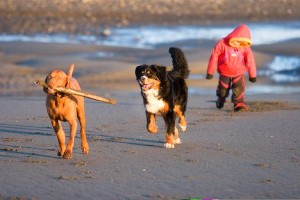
{"points": [[224, 154]]}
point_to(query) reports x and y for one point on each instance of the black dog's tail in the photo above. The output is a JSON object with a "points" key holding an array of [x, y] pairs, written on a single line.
{"points": [[180, 65]]}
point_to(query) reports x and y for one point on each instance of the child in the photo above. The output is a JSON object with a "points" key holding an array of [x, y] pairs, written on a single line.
{"points": [[232, 56]]}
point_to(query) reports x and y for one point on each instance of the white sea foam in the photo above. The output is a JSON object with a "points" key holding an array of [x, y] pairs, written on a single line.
{"points": [[150, 36], [283, 69]]}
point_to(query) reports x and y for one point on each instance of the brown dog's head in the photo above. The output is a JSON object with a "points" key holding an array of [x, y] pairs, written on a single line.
{"points": [[56, 78]]}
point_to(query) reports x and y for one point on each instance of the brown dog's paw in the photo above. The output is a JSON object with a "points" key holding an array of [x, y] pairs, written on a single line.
{"points": [[85, 148], [67, 155], [61, 152]]}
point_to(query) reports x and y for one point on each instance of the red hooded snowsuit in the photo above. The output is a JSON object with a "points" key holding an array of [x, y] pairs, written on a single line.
{"points": [[233, 57], [232, 61]]}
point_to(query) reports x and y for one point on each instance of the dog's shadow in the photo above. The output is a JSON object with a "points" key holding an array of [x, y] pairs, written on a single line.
{"points": [[127, 140], [11, 145], [25, 129]]}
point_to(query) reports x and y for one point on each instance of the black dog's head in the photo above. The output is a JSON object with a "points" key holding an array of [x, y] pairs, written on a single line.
{"points": [[150, 76]]}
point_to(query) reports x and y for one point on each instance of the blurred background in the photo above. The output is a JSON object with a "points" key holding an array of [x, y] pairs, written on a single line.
{"points": [[91, 16]]}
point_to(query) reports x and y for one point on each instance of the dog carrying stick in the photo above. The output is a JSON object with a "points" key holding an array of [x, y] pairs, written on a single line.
{"points": [[77, 92]]}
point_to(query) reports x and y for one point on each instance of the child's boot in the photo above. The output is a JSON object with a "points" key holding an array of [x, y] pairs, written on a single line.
{"points": [[220, 102], [240, 107]]}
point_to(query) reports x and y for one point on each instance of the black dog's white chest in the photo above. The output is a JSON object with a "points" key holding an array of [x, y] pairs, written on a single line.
{"points": [[154, 104]]}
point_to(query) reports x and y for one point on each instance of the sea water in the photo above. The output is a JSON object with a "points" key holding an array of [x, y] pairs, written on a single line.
{"points": [[149, 37]]}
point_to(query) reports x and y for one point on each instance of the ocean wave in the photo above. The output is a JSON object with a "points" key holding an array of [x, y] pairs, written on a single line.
{"points": [[151, 36]]}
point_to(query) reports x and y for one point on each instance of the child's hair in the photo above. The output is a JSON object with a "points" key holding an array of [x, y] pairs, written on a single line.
{"points": [[243, 42]]}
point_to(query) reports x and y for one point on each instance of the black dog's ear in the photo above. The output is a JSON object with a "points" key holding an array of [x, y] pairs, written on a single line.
{"points": [[138, 71], [162, 73]]}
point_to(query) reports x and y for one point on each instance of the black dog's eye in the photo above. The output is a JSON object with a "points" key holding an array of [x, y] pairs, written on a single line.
{"points": [[148, 72]]}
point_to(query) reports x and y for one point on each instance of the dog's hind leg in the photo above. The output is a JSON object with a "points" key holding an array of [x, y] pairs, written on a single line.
{"points": [[169, 141], [171, 134], [177, 140], [182, 122], [60, 134], [69, 149], [81, 118]]}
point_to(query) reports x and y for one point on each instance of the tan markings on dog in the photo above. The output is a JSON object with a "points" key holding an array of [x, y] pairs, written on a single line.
{"points": [[182, 121], [169, 141], [156, 84], [152, 128], [165, 108], [170, 138], [68, 108]]}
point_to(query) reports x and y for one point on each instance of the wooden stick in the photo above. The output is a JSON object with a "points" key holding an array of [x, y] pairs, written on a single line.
{"points": [[77, 92]]}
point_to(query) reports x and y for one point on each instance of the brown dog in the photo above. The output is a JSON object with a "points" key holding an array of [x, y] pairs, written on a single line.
{"points": [[65, 107]]}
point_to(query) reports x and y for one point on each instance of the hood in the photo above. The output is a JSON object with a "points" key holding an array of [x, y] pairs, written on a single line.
{"points": [[241, 34]]}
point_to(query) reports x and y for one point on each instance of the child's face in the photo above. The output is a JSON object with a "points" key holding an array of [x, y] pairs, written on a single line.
{"points": [[236, 43]]}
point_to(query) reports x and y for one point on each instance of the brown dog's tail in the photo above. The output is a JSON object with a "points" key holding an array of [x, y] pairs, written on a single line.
{"points": [[71, 69]]}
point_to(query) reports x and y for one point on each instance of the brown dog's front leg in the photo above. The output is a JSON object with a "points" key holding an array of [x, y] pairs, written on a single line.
{"points": [[69, 149], [60, 134]]}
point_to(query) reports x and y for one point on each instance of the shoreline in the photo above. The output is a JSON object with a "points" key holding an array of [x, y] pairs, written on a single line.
{"points": [[31, 61]]}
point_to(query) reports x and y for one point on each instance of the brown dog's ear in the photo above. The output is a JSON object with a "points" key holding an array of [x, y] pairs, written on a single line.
{"points": [[68, 82], [46, 89]]}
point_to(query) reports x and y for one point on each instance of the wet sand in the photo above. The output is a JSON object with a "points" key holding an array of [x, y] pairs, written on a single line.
{"points": [[24, 62]]}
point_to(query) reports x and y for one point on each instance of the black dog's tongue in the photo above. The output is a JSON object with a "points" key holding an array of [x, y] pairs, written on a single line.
{"points": [[147, 86]]}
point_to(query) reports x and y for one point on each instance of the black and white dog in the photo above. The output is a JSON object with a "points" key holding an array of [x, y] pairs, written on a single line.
{"points": [[165, 93]]}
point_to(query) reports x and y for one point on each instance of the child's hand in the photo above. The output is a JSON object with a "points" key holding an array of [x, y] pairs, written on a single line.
{"points": [[253, 80], [209, 76]]}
